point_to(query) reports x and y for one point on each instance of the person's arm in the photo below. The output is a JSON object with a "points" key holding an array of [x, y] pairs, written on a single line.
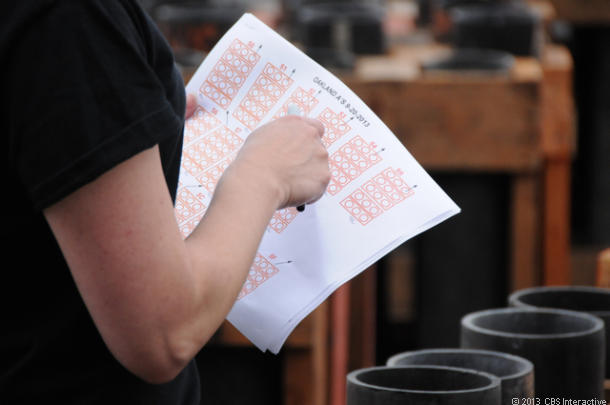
{"points": [[155, 298]]}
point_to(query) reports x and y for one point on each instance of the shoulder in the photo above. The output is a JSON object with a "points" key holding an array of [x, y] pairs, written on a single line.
{"points": [[17, 16], [90, 83]]}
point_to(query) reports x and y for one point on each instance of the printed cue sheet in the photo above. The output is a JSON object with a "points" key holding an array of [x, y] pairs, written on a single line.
{"points": [[378, 197]]}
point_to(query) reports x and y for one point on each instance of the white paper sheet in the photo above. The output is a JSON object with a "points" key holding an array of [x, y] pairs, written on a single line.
{"points": [[379, 196]]}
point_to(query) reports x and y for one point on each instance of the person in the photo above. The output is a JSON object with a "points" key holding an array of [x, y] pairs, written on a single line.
{"points": [[101, 299]]}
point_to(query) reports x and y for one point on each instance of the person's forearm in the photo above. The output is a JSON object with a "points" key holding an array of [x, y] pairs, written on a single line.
{"points": [[223, 246]]}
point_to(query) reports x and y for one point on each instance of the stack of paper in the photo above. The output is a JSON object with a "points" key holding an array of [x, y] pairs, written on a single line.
{"points": [[379, 196]]}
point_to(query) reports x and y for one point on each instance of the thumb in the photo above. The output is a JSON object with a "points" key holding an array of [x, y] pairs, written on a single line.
{"points": [[191, 105]]}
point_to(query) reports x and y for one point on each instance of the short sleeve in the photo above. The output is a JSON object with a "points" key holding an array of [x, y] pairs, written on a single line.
{"points": [[92, 84]]}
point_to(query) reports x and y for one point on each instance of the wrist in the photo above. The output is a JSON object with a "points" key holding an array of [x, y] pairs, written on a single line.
{"points": [[255, 181]]}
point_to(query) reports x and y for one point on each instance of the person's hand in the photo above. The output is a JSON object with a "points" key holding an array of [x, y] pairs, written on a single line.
{"points": [[191, 106], [286, 157]]}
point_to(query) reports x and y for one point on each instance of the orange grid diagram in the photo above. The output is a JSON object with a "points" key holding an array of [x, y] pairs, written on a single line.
{"points": [[349, 162], [377, 195], [189, 209], [208, 150], [334, 126], [230, 73], [282, 218], [261, 271], [201, 122], [266, 91], [302, 99]]}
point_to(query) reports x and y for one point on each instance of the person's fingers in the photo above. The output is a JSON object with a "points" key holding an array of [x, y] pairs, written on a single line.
{"points": [[316, 124], [191, 105]]}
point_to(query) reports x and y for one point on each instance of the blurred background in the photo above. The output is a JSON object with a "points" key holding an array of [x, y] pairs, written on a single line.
{"points": [[505, 103]]}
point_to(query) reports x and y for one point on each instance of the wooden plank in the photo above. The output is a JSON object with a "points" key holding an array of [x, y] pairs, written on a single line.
{"points": [[525, 232], [340, 341], [306, 370], [363, 314], [558, 138], [603, 269], [556, 241], [558, 123], [298, 370], [583, 12], [461, 122], [320, 355]]}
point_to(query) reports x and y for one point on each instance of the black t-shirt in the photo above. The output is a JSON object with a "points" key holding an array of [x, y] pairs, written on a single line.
{"points": [[86, 84]]}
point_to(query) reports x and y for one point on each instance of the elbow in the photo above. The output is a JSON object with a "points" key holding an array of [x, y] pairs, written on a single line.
{"points": [[157, 364], [156, 374]]}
